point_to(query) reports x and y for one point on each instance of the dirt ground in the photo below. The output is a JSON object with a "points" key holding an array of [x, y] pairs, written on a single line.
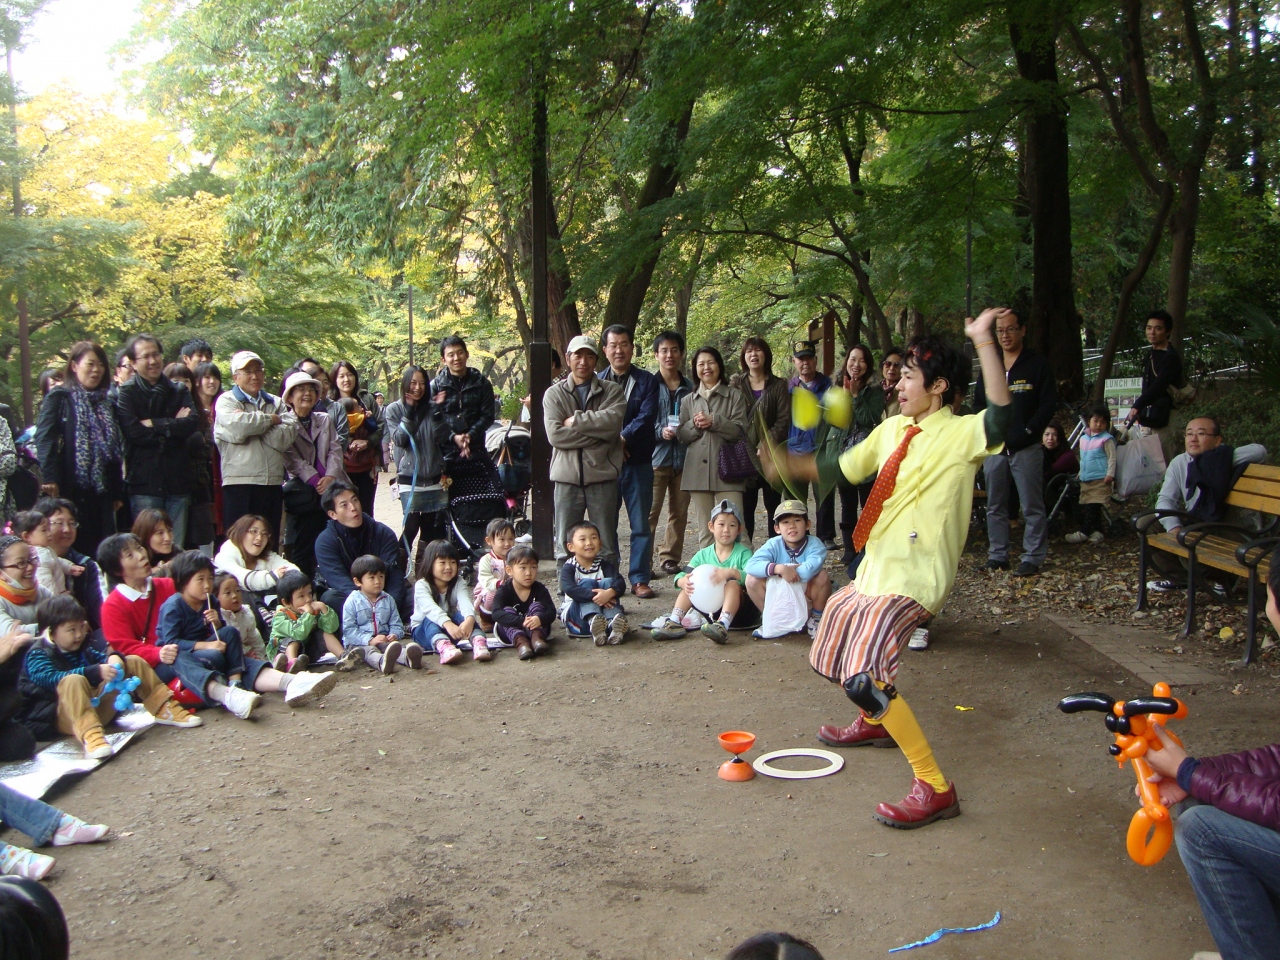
{"points": [[569, 807]]}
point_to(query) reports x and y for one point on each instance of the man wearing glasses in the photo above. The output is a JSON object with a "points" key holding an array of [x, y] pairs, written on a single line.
{"points": [[157, 417], [1195, 486]]}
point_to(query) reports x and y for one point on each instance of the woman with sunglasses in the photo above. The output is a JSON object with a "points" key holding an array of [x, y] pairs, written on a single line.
{"points": [[890, 374]]}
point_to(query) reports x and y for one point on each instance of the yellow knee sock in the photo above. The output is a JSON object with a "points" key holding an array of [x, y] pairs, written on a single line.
{"points": [[905, 729]]}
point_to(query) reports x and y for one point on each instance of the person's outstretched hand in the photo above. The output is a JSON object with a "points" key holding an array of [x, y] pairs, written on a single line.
{"points": [[13, 642]]}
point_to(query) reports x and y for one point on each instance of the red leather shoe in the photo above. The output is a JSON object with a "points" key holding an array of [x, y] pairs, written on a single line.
{"points": [[857, 734], [921, 806]]}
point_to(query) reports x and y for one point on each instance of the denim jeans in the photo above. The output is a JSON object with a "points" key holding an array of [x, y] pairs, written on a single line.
{"points": [[1025, 470], [636, 487], [1234, 868], [175, 507], [195, 668], [35, 818], [578, 613]]}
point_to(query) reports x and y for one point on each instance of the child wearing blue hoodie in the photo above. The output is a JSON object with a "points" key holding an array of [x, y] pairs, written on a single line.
{"points": [[795, 556]]}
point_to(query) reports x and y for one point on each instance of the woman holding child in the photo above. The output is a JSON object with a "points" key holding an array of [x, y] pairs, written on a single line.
{"points": [[364, 422], [713, 415]]}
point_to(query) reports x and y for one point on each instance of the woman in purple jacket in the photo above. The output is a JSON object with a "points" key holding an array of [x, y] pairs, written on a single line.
{"points": [[1228, 831]]}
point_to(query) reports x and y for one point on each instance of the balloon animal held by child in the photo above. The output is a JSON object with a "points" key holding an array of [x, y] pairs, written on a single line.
{"points": [[123, 687], [1134, 724]]}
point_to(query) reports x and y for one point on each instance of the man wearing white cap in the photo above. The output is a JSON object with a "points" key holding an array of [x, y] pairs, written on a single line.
{"points": [[252, 429], [583, 416]]}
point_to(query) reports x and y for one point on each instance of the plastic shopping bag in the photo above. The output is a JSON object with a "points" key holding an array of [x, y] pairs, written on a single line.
{"points": [[1139, 465], [785, 608]]}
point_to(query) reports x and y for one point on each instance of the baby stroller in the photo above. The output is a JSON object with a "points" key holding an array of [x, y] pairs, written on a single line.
{"points": [[475, 498], [1062, 498], [511, 448]]}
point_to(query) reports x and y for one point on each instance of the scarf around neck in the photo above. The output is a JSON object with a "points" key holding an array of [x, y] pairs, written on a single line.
{"points": [[17, 595], [98, 442]]}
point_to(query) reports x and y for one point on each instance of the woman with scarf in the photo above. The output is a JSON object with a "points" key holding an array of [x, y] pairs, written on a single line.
{"points": [[81, 447], [416, 427], [364, 427]]}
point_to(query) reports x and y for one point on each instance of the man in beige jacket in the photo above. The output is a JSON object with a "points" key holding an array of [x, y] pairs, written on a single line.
{"points": [[583, 416]]}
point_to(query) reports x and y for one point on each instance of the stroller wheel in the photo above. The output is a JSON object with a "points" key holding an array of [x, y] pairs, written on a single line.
{"points": [[522, 525]]}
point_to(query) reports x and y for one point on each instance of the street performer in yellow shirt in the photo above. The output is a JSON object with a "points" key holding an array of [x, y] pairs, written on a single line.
{"points": [[913, 527]]}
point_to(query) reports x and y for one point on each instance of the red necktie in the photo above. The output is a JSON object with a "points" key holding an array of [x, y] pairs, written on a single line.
{"points": [[881, 491]]}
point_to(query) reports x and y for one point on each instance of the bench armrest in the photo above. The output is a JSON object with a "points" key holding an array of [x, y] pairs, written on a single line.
{"points": [[1191, 535], [1245, 552], [1159, 515]]}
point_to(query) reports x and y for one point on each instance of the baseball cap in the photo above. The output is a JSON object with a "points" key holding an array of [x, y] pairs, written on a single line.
{"points": [[582, 343], [790, 508], [727, 506], [299, 379], [242, 359], [804, 348]]}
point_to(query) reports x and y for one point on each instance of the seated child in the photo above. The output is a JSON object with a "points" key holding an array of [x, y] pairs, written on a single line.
{"points": [[729, 558], [304, 629], [794, 556], [51, 570], [500, 537], [591, 588], [226, 593], [188, 619], [43, 824], [61, 665], [1097, 474], [371, 623], [523, 610], [444, 618]]}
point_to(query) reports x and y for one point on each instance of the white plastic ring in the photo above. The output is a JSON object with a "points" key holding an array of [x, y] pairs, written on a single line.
{"points": [[835, 763]]}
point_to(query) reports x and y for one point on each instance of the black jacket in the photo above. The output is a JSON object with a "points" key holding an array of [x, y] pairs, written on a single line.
{"points": [[1035, 397], [56, 446], [467, 408], [1161, 369], [640, 421], [157, 459]]}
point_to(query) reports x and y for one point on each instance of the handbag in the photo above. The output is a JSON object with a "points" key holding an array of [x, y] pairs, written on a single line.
{"points": [[299, 497], [734, 462]]}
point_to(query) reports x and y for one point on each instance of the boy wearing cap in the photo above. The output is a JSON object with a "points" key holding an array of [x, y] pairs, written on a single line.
{"points": [[157, 418], [583, 416], [252, 429], [913, 528], [796, 557], [729, 558]]}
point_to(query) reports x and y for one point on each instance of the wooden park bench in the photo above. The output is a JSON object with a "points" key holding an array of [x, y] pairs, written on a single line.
{"points": [[1222, 546]]}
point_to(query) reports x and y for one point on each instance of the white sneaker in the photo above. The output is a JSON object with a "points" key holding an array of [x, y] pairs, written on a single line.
{"points": [[1096, 537], [1076, 537], [74, 830], [919, 639], [308, 686], [618, 630], [243, 702], [815, 619], [525, 538]]}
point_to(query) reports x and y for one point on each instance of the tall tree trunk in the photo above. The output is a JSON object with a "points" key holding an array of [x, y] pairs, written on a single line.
{"points": [[916, 317], [1182, 231], [562, 312], [854, 325], [24, 320], [1129, 285], [1053, 321], [626, 296], [684, 293]]}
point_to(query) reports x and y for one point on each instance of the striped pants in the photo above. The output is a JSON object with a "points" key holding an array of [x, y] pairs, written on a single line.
{"points": [[860, 633]]}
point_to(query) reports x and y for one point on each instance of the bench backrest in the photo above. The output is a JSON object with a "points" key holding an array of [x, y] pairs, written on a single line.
{"points": [[1258, 489]]}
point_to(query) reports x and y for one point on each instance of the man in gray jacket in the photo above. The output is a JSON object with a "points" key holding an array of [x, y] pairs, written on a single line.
{"points": [[583, 416]]}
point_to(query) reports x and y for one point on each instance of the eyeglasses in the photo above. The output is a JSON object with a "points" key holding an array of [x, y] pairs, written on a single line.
{"points": [[63, 525], [20, 565]]}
